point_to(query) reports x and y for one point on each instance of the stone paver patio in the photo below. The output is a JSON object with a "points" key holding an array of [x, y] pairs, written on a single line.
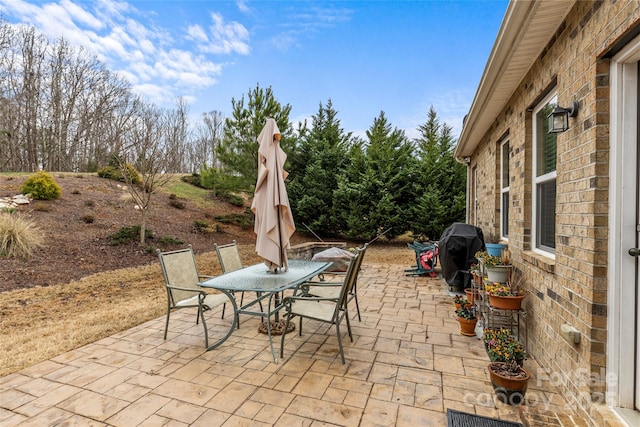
{"points": [[406, 366]]}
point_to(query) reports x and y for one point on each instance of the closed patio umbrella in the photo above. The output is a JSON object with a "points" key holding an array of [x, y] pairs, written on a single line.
{"points": [[273, 218]]}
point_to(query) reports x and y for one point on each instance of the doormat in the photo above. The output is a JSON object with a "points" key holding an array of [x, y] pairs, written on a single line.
{"points": [[463, 419]]}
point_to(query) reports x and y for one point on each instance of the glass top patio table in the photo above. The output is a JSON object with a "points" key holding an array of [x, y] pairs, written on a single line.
{"points": [[267, 285]]}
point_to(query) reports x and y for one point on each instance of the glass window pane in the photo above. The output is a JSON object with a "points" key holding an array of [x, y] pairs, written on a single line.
{"points": [[546, 215], [546, 142], [505, 214], [505, 165]]}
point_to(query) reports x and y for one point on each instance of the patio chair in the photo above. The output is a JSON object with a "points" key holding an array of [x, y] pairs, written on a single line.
{"points": [[329, 310], [181, 279], [331, 289], [230, 260]]}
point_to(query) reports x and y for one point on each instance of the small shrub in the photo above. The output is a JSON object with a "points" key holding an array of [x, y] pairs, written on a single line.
{"points": [[18, 237], [201, 226], [128, 234], [193, 179], [244, 220], [172, 196], [115, 173], [167, 240], [89, 203], [88, 219], [230, 198], [41, 186], [177, 204]]}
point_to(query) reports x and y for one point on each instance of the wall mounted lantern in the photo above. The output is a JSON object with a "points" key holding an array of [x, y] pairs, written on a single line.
{"points": [[559, 117]]}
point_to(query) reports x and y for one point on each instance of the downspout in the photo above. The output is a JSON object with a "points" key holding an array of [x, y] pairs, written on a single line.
{"points": [[466, 161]]}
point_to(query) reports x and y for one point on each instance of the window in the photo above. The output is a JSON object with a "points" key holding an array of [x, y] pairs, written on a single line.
{"points": [[504, 189], [544, 178]]}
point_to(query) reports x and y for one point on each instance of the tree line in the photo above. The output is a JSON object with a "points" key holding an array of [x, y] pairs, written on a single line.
{"points": [[61, 109]]}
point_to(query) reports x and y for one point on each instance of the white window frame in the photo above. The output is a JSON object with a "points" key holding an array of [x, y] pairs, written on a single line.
{"points": [[542, 179], [504, 189]]}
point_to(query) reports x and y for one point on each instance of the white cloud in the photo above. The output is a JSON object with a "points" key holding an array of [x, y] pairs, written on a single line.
{"points": [[130, 42], [226, 37], [243, 6], [197, 34]]}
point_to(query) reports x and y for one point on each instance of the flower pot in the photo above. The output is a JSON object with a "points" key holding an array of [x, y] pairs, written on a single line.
{"points": [[472, 294], [499, 273], [495, 249], [509, 389], [467, 326], [459, 306], [507, 302]]}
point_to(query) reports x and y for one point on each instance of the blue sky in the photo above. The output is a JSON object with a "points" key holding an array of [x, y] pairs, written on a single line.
{"points": [[400, 57]]}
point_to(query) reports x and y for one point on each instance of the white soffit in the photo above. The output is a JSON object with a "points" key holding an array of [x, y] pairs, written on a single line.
{"points": [[526, 29]]}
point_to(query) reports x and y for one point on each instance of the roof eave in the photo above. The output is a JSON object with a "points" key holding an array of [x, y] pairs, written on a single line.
{"points": [[526, 29]]}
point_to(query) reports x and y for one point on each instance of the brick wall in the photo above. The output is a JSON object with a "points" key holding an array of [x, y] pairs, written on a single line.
{"points": [[572, 288]]}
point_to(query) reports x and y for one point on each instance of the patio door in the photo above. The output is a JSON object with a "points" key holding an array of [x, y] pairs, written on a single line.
{"points": [[623, 296]]}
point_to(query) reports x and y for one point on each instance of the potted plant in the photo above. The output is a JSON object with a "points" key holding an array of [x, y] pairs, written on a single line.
{"points": [[472, 294], [497, 267], [495, 248], [467, 320], [506, 296], [502, 346], [460, 301], [509, 381], [474, 270]]}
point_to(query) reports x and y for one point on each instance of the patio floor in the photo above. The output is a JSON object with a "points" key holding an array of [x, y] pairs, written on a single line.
{"points": [[406, 366]]}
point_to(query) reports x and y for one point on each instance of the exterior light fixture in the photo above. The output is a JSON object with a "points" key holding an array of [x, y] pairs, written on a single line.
{"points": [[559, 117]]}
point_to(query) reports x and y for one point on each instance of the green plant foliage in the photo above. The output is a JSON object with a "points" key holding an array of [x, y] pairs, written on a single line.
{"points": [[116, 173], [178, 204], [238, 150], [128, 234], [41, 186], [167, 240], [441, 182], [193, 179], [244, 220], [320, 155], [375, 190], [201, 226], [18, 237]]}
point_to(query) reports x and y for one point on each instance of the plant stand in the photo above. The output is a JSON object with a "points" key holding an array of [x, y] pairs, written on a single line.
{"points": [[494, 318]]}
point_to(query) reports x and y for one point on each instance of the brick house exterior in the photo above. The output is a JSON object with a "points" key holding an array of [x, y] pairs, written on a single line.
{"points": [[571, 241]]}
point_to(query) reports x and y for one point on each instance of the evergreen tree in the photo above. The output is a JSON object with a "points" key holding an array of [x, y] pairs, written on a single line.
{"points": [[375, 191], [441, 180], [319, 157], [238, 150]]}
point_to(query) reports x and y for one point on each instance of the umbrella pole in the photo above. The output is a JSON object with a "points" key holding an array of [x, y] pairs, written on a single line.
{"points": [[278, 171]]}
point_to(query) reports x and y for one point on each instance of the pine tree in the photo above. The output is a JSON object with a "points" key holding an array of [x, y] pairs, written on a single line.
{"points": [[376, 190], [442, 181], [238, 151], [319, 157]]}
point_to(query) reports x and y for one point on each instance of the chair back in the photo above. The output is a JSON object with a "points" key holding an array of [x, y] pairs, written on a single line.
{"points": [[351, 277], [179, 270], [229, 257]]}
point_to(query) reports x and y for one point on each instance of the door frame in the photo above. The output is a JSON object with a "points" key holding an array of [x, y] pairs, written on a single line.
{"points": [[623, 170]]}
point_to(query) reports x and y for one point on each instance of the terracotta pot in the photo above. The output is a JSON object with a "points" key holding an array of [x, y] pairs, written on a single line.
{"points": [[471, 295], [467, 326], [506, 303], [459, 306], [508, 390], [477, 279]]}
